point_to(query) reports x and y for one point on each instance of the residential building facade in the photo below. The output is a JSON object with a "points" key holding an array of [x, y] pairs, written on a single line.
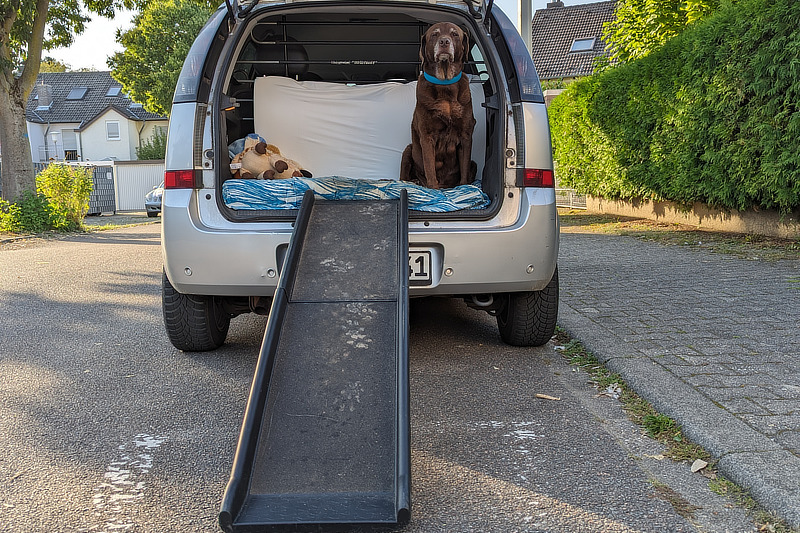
{"points": [[85, 116]]}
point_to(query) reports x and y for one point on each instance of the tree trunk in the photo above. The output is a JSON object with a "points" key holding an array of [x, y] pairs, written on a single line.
{"points": [[18, 174]]}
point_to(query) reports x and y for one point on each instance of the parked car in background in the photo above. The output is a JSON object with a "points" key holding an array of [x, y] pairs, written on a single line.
{"points": [[152, 200]]}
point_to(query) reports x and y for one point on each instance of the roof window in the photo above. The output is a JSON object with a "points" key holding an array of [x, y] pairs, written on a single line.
{"points": [[77, 93], [585, 44], [114, 91]]}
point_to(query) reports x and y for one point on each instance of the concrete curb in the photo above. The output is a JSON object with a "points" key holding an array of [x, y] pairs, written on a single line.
{"points": [[748, 458], [16, 238]]}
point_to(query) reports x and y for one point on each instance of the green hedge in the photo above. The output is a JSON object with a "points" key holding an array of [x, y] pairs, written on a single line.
{"points": [[712, 116]]}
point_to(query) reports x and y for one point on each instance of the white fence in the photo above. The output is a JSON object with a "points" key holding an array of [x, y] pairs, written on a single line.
{"points": [[569, 198], [134, 179]]}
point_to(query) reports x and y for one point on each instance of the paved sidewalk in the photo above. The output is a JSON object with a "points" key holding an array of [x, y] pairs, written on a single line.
{"points": [[710, 340]]}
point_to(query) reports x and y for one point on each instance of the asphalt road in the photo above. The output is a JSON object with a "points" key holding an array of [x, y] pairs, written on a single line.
{"points": [[105, 427]]}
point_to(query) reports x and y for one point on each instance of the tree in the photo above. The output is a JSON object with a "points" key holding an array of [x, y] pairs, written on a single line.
{"points": [[153, 148], [641, 26], [49, 64], [155, 48], [27, 28]]}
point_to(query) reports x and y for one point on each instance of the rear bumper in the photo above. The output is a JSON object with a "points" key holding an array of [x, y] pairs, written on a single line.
{"points": [[205, 255]]}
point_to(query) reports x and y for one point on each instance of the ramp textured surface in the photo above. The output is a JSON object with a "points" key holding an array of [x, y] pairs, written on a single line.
{"points": [[325, 437]]}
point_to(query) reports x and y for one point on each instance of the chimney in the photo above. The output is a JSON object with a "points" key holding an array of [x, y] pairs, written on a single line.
{"points": [[555, 3], [45, 93]]}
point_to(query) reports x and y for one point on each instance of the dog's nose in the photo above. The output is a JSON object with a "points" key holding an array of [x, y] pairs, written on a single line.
{"points": [[444, 41]]}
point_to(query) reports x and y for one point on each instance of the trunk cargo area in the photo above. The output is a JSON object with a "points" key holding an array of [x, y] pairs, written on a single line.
{"points": [[334, 90]]}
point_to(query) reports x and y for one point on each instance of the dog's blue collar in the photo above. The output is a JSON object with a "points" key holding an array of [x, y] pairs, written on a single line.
{"points": [[437, 81]]}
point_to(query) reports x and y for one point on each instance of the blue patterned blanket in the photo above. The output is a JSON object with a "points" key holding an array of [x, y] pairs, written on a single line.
{"points": [[288, 193]]}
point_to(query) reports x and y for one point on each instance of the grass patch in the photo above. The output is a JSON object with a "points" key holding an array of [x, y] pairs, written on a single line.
{"points": [[765, 520], [753, 247], [90, 228]]}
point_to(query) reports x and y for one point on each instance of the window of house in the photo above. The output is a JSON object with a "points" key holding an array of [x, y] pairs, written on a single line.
{"points": [[583, 45], [112, 130], [77, 93], [113, 91]]}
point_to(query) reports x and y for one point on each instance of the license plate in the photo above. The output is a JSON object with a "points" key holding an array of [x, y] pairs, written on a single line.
{"points": [[419, 268]]}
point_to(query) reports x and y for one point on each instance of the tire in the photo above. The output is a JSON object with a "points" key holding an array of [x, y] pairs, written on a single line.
{"points": [[152, 214], [529, 318], [194, 323]]}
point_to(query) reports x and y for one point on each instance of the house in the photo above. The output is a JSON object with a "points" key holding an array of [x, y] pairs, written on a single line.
{"points": [[85, 116], [566, 40]]}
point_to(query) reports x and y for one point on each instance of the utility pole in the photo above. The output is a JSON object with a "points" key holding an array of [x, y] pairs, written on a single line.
{"points": [[525, 16]]}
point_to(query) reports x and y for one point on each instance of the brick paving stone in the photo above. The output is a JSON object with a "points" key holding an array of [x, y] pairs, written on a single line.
{"points": [[722, 393], [790, 440], [711, 339], [741, 406], [771, 424], [782, 407]]}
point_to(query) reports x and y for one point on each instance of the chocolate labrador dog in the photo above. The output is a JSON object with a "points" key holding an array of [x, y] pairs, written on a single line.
{"points": [[442, 125]]}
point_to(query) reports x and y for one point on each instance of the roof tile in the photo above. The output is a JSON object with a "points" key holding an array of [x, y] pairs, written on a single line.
{"points": [[554, 30]]}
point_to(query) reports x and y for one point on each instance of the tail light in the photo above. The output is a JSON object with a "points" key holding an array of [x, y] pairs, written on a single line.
{"points": [[537, 177], [183, 179]]}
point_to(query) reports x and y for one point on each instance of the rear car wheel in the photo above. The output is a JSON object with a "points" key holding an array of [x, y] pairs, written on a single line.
{"points": [[194, 323], [529, 318]]}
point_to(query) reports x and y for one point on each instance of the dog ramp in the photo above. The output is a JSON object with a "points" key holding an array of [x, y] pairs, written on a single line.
{"points": [[325, 440]]}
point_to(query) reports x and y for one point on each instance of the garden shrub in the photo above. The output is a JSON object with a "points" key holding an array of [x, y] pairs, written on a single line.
{"points": [[29, 214], [67, 189], [154, 147], [60, 203], [712, 116]]}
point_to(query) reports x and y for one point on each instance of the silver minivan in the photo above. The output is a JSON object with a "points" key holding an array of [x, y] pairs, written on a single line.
{"points": [[331, 84]]}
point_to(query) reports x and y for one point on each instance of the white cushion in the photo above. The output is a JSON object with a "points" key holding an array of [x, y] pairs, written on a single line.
{"points": [[334, 129]]}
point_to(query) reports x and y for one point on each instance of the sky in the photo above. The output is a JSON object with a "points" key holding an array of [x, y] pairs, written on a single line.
{"points": [[95, 44], [92, 48]]}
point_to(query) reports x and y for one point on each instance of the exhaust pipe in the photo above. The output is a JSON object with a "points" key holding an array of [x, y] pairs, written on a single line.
{"points": [[260, 305], [482, 300]]}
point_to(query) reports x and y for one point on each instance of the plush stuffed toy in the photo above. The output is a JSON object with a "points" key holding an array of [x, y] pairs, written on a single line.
{"points": [[263, 161]]}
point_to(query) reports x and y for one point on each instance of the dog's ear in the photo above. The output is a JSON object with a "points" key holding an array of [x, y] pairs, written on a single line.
{"points": [[422, 47], [464, 45]]}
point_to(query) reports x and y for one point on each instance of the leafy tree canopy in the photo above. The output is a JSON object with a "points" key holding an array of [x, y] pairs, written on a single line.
{"points": [[641, 26], [27, 27], [62, 19], [155, 49], [49, 64]]}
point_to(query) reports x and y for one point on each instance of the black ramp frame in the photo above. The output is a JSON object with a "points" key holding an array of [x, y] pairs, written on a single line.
{"points": [[325, 440]]}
